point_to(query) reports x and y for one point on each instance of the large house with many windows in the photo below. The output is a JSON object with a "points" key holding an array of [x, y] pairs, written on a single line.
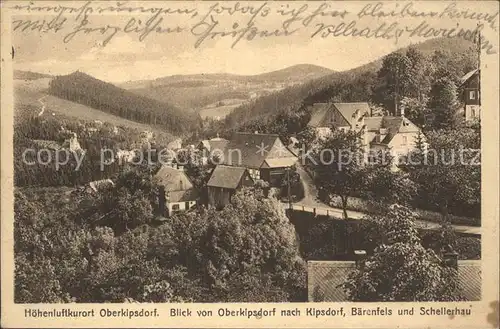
{"points": [[395, 133]]}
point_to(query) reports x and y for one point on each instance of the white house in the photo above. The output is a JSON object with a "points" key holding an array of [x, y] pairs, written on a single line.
{"points": [[177, 192]]}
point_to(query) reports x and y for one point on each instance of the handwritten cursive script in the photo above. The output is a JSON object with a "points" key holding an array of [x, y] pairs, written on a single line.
{"points": [[238, 23]]}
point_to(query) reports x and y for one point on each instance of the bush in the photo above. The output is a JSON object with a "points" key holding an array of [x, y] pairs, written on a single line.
{"points": [[468, 248], [357, 204]]}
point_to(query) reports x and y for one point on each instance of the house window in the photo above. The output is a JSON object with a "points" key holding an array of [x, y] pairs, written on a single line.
{"points": [[175, 207], [405, 140], [472, 94]]}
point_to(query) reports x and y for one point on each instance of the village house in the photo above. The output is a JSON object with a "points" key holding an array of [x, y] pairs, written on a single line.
{"points": [[470, 84], [95, 186], [177, 193], [264, 155], [397, 134], [212, 148], [342, 116], [175, 144], [224, 182], [324, 278], [126, 155]]}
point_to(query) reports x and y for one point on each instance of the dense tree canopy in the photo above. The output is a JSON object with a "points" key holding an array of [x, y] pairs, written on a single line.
{"points": [[245, 253], [84, 89], [401, 269]]}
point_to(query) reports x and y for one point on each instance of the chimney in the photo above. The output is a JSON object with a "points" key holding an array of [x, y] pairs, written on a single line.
{"points": [[402, 110], [359, 256], [181, 168], [256, 132], [450, 258]]}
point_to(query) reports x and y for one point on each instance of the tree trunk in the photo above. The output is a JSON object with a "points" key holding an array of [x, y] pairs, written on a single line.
{"points": [[444, 212], [344, 207]]}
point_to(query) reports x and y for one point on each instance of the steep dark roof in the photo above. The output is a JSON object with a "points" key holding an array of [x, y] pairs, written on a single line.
{"points": [[318, 114], [249, 150], [181, 196], [226, 177], [325, 277], [176, 183], [173, 179], [392, 124], [468, 75], [348, 110]]}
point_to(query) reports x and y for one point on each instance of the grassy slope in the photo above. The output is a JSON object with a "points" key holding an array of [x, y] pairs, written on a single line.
{"points": [[28, 94]]}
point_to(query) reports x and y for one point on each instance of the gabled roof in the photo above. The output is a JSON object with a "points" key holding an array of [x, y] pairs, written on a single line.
{"points": [[279, 162], [249, 150], [173, 179], [215, 144], [468, 75], [325, 277], [318, 114], [227, 177], [181, 196], [349, 110], [392, 124]]}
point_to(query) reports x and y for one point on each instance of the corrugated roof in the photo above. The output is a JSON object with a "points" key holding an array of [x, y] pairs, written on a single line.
{"points": [[348, 110], [226, 176], [469, 278], [173, 179], [318, 114], [324, 279]]}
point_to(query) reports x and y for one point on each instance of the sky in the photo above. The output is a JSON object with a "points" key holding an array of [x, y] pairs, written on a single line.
{"points": [[125, 58]]}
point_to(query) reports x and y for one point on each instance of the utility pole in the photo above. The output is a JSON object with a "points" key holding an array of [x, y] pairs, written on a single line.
{"points": [[288, 183]]}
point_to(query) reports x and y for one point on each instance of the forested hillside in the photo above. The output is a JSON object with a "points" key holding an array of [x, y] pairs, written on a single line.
{"points": [[199, 90], [84, 89], [454, 57]]}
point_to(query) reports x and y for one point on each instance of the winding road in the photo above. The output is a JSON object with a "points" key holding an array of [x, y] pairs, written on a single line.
{"points": [[310, 203], [40, 100]]}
